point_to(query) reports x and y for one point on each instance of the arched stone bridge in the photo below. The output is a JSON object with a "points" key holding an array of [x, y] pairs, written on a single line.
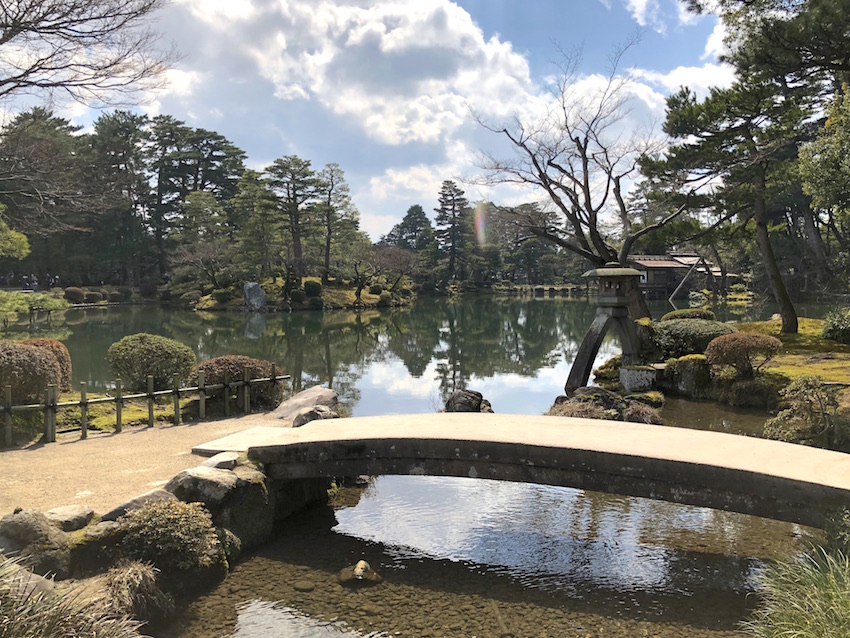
{"points": [[722, 471]]}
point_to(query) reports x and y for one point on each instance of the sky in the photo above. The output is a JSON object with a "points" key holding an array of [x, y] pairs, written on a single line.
{"points": [[387, 88]]}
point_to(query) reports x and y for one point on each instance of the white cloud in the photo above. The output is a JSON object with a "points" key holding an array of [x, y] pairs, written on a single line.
{"points": [[218, 12], [698, 79], [645, 12], [716, 46]]}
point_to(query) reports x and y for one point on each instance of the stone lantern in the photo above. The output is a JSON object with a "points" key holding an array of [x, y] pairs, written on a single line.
{"points": [[612, 283]]}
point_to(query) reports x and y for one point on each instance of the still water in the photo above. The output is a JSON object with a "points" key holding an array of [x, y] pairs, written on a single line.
{"points": [[459, 557]]}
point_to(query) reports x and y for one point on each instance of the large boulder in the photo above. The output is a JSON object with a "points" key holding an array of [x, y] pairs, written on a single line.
{"points": [[70, 518], [138, 502], [468, 401], [307, 399], [238, 500], [314, 413], [255, 297], [42, 546]]}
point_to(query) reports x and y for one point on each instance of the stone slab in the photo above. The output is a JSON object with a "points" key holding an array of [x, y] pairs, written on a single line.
{"points": [[241, 441]]}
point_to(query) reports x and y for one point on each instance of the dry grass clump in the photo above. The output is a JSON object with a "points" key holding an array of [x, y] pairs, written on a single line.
{"points": [[134, 591]]}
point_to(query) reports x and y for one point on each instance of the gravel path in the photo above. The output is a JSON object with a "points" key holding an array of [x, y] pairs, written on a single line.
{"points": [[105, 469]]}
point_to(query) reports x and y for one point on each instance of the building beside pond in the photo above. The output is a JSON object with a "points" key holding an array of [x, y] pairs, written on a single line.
{"points": [[662, 275]]}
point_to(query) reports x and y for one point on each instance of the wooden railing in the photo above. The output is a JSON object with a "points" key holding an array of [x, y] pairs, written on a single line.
{"points": [[52, 405]]}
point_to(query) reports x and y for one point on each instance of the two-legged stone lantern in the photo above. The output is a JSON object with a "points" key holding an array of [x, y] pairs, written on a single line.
{"points": [[613, 308]]}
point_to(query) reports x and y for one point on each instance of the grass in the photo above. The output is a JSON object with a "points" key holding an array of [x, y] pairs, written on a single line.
{"points": [[805, 597], [806, 353], [27, 613]]}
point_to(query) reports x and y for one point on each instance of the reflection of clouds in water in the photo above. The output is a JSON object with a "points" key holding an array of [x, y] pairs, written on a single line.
{"points": [[387, 386], [393, 378], [260, 618], [545, 537]]}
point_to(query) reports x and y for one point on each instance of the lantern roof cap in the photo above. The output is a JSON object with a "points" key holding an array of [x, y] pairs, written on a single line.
{"points": [[612, 269]]}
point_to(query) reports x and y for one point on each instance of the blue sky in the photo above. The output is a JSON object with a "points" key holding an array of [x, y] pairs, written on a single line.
{"points": [[384, 87]]}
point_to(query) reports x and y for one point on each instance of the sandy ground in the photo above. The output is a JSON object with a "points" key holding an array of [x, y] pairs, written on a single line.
{"points": [[105, 470]]}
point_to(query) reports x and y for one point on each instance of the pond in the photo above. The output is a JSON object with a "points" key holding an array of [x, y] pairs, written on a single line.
{"points": [[460, 557]]}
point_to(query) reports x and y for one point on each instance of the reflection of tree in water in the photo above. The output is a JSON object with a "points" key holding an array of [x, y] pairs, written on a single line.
{"points": [[468, 338]]}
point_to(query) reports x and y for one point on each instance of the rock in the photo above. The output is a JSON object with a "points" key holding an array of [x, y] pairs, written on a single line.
{"points": [[43, 547], [154, 496], [255, 297], [29, 583], [96, 550], [70, 518], [207, 485], [317, 412], [309, 398], [249, 510], [359, 575], [222, 460], [468, 401], [303, 585]]}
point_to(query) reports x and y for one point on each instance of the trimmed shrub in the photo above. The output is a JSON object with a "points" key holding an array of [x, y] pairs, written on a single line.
{"points": [[738, 288], [316, 303], [115, 296], [690, 313], [679, 337], [165, 295], [136, 356], [406, 293], [177, 538], [312, 288], [297, 296], [75, 295], [749, 393], [376, 289], [385, 299], [263, 395], [740, 350], [29, 370], [222, 295], [93, 296], [836, 325], [147, 291], [60, 352], [126, 293]]}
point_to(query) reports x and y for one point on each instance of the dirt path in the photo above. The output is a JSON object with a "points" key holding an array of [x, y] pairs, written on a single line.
{"points": [[105, 470]]}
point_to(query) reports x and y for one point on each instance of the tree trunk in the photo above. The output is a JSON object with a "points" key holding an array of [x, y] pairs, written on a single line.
{"points": [[780, 292]]}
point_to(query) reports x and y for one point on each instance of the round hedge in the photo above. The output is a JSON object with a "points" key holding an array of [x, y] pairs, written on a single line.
{"points": [[29, 370], [75, 295], [740, 350], [312, 288], [263, 395], [680, 337], [93, 297], [60, 352], [376, 289], [297, 295], [690, 313], [136, 356]]}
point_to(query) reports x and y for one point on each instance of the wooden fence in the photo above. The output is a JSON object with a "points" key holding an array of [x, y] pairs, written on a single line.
{"points": [[52, 405]]}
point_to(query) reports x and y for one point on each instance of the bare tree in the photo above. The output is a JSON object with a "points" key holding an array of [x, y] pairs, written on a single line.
{"points": [[581, 155], [93, 51]]}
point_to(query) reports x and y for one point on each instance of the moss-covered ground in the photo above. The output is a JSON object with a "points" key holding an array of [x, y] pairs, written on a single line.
{"points": [[806, 353]]}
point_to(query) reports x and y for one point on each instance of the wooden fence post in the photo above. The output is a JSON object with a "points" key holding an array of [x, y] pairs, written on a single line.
{"points": [[202, 397], [84, 411], [47, 415], [8, 437], [226, 383], [54, 398], [150, 400], [176, 384], [119, 405], [246, 390]]}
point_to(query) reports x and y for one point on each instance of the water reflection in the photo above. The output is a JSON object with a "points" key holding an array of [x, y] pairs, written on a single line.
{"points": [[465, 557]]}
